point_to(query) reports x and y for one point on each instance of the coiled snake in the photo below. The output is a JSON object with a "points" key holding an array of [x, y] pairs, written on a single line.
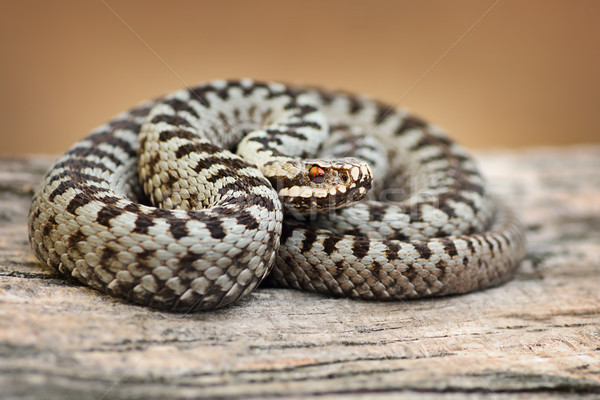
{"points": [[219, 165]]}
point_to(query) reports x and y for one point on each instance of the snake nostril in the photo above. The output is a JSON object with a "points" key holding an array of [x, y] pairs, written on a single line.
{"points": [[344, 177]]}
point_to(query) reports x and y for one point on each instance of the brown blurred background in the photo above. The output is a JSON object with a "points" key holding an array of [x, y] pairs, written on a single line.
{"points": [[525, 73]]}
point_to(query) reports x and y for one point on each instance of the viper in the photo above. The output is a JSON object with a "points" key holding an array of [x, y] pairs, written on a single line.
{"points": [[187, 202]]}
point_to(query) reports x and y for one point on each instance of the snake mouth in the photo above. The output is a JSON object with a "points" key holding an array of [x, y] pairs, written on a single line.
{"points": [[311, 192], [314, 201]]}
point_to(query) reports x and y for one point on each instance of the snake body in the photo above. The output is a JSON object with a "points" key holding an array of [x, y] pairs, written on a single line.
{"points": [[179, 203]]}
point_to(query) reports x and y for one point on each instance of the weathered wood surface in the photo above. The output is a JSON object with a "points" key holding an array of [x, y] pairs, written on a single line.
{"points": [[536, 337]]}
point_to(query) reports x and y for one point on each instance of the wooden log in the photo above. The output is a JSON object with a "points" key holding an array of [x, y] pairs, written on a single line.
{"points": [[537, 336]]}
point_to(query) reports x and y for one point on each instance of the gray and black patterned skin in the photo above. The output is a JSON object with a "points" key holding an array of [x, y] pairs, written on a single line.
{"points": [[202, 225]]}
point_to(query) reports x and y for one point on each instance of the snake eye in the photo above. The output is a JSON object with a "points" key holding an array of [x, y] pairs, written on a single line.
{"points": [[316, 174]]}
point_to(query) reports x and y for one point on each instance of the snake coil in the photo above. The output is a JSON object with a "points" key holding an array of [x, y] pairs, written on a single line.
{"points": [[179, 203]]}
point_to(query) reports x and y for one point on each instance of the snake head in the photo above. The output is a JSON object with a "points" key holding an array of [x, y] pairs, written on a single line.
{"points": [[313, 186]]}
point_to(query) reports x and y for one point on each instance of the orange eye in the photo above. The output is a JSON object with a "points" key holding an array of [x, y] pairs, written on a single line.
{"points": [[316, 174]]}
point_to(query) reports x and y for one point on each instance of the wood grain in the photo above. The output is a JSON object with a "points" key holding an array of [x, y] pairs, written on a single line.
{"points": [[536, 337]]}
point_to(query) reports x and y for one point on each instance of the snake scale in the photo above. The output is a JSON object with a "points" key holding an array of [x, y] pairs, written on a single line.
{"points": [[179, 203]]}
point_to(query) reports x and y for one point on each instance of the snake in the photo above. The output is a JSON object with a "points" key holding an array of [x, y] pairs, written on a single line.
{"points": [[189, 201]]}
